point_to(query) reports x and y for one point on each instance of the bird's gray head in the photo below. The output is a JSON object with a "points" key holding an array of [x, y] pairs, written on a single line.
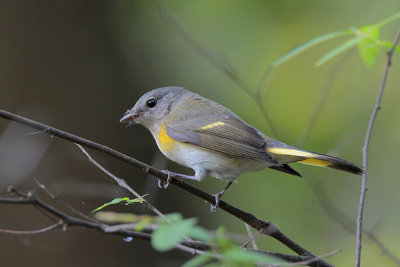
{"points": [[153, 106]]}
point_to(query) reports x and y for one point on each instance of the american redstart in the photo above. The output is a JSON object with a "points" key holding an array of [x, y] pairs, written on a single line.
{"points": [[212, 140]]}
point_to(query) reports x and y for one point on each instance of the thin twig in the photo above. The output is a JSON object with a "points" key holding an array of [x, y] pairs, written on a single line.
{"points": [[365, 150], [123, 184], [267, 227], [252, 239], [32, 232], [307, 262], [348, 224], [52, 196]]}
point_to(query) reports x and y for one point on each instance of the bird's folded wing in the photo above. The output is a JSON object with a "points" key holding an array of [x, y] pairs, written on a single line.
{"points": [[229, 136]]}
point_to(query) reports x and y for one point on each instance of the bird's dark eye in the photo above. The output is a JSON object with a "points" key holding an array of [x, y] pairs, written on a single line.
{"points": [[151, 103]]}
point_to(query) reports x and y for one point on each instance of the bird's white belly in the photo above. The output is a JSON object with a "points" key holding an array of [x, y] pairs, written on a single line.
{"points": [[216, 164]]}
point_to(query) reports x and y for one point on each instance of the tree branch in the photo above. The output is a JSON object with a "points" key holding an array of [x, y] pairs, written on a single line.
{"points": [[67, 220], [365, 149], [266, 227]]}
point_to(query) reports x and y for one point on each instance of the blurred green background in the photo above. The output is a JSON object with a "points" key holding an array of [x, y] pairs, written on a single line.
{"points": [[78, 65]]}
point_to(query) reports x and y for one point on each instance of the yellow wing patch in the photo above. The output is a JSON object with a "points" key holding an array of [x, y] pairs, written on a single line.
{"points": [[212, 125], [289, 152], [165, 142], [316, 162]]}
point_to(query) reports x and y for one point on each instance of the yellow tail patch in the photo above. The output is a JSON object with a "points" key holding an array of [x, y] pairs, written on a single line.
{"points": [[290, 152], [311, 158], [316, 162], [285, 155]]}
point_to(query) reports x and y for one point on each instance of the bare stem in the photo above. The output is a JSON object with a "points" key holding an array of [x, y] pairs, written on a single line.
{"points": [[365, 150]]}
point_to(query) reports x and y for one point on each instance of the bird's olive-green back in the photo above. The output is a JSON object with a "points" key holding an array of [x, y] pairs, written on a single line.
{"points": [[204, 123]]}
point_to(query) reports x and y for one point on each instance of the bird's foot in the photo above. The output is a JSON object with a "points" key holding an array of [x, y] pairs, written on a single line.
{"points": [[213, 207], [218, 196], [165, 184]]}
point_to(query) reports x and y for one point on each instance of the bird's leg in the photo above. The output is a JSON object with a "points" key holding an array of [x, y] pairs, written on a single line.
{"points": [[218, 196]]}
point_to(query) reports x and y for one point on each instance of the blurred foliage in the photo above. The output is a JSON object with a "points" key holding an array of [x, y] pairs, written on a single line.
{"points": [[171, 230], [366, 38]]}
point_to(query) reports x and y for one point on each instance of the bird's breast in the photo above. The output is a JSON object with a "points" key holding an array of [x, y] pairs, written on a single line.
{"points": [[164, 142]]}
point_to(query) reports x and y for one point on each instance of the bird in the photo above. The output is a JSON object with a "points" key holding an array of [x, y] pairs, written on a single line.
{"points": [[207, 137]]}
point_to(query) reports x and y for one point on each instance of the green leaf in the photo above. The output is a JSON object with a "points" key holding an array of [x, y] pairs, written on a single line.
{"points": [[388, 45], [199, 260], [340, 49], [113, 202], [167, 236], [237, 254], [307, 45], [199, 233], [119, 200], [369, 46]]}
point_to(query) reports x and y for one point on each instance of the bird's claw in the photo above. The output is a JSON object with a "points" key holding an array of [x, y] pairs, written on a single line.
{"points": [[213, 207], [165, 184]]}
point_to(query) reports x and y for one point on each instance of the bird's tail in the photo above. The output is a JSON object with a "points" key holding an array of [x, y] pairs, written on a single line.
{"points": [[286, 154]]}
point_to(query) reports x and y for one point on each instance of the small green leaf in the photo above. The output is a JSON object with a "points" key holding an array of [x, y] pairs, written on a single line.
{"points": [[136, 200], [237, 254], [119, 200], [340, 49], [199, 260], [369, 46], [307, 45], [167, 236], [113, 202]]}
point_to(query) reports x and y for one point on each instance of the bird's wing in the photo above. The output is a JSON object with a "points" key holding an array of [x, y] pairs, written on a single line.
{"points": [[226, 134]]}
